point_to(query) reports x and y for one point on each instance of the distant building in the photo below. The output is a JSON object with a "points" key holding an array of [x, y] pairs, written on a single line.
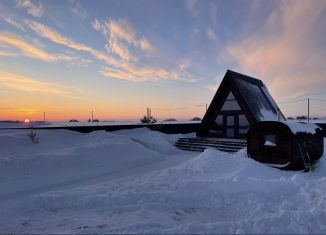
{"points": [[239, 102]]}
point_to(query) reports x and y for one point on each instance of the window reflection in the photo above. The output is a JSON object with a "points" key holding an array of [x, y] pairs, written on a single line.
{"points": [[218, 124], [243, 124]]}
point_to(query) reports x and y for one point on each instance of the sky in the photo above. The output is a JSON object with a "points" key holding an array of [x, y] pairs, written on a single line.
{"points": [[67, 58]]}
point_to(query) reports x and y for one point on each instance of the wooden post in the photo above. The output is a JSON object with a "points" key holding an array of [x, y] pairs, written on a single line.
{"points": [[308, 110]]}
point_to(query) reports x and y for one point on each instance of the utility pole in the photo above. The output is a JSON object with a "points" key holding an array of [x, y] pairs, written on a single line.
{"points": [[44, 117], [149, 113], [92, 115], [308, 109]]}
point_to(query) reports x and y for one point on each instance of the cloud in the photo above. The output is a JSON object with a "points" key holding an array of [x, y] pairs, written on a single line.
{"points": [[25, 48], [120, 34], [190, 4], [46, 32], [122, 67], [78, 9], [210, 34], [18, 82], [133, 73], [119, 49], [73, 60], [31, 8], [212, 88], [54, 36], [287, 52], [10, 20], [13, 45]]}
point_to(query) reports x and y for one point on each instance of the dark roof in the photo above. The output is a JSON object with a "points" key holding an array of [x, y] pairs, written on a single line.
{"points": [[256, 96]]}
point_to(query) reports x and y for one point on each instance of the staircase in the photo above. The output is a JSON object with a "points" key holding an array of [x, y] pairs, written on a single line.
{"points": [[201, 143]]}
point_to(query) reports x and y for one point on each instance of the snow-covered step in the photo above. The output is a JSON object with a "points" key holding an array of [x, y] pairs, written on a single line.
{"points": [[231, 142], [200, 144], [211, 144], [204, 146]]}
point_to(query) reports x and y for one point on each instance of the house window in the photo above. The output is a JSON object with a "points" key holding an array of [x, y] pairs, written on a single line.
{"points": [[270, 140], [218, 124], [243, 124], [230, 103]]}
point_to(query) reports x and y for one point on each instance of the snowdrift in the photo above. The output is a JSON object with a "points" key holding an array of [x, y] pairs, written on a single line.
{"points": [[172, 191]]}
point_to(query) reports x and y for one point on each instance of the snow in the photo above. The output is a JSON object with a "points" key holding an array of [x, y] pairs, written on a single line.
{"points": [[260, 101], [136, 181], [297, 127], [269, 143], [267, 115]]}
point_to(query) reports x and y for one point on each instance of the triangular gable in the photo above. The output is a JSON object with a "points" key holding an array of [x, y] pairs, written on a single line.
{"points": [[230, 103]]}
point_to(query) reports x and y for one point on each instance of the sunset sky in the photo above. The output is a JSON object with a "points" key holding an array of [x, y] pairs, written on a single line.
{"points": [[67, 58]]}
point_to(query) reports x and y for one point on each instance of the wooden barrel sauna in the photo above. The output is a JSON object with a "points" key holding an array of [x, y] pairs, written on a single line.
{"points": [[284, 144]]}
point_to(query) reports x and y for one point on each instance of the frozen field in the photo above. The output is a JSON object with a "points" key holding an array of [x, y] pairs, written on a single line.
{"points": [[136, 181]]}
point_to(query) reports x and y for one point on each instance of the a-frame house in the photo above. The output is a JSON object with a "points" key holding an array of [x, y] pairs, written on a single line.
{"points": [[239, 102]]}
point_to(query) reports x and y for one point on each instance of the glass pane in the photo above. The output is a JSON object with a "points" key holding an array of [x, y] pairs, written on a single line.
{"points": [[230, 132], [243, 124], [218, 124], [270, 140], [230, 121], [230, 126], [230, 96], [219, 120], [230, 103]]}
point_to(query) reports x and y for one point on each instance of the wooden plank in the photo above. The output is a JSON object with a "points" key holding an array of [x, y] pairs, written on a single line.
{"points": [[214, 143], [215, 140], [208, 146]]}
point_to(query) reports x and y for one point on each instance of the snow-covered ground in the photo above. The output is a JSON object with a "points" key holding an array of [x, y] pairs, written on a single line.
{"points": [[136, 181]]}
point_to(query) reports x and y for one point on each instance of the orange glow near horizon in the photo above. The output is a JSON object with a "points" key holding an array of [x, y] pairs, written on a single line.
{"points": [[24, 114]]}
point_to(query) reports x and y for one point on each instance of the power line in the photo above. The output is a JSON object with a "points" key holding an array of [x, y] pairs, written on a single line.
{"points": [[317, 99], [294, 101]]}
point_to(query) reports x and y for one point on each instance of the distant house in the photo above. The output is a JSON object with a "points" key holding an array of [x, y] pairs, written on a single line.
{"points": [[239, 102]]}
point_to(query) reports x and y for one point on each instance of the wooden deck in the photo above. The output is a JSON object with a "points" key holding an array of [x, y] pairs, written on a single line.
{"points": [[199, 144]]}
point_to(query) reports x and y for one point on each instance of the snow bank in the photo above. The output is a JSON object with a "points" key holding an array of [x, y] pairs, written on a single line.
{"points": [[213, 192], [297, 127]]}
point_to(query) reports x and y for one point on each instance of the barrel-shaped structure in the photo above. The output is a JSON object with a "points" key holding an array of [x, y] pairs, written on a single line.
{"points": [[284, 144]]}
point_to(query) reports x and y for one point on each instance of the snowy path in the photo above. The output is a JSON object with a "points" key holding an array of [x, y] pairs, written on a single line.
{"points": [[138, 182]]}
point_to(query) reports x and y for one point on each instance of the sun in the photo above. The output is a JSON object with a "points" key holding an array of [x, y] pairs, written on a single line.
{"points": [[26, 120]]}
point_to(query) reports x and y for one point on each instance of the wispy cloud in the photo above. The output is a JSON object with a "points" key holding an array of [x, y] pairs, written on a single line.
{"points": [[286, 51], [119, 68], [11, 20], [25, 48], [31, 8], [190, 4], [13, 45], [18, 82], [211, 34], [77, 9], [130, 72], [73, 60], [46, 32], [120, 34], [54, 36], [212, 88]]}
